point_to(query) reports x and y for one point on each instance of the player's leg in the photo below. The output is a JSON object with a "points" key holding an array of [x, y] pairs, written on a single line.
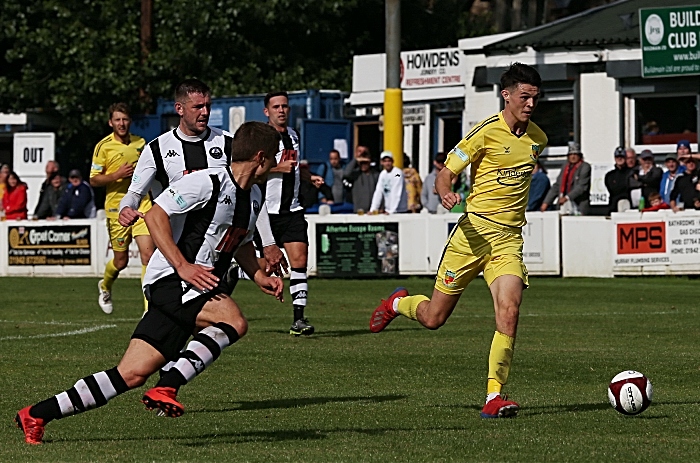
{"points": [[298, 253], [146, 249], [119, 237], [219, 324], [139, 362]]}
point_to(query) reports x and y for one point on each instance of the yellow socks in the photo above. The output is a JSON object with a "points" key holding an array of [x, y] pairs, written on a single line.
{"points": [[111, 274], [408, 305], [145, 301], [500, 357]]}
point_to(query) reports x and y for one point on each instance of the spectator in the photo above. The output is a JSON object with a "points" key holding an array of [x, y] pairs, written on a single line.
{"points": [[632, 162], [539, 187], [648, 176], [14, 201], [50, 197], [413, 183], [309, 193], [50, 168], [390, 187], [616, 180], [570, 193], [332, 173], [668, 178], [683, 151], [428, 196], [656, 203], [685, 194], [4, 172], [362, 185], [352, 169], [78, 201]]}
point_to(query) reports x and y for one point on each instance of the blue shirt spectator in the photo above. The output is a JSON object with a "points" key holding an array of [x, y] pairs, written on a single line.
{"points": [[78, 201], [539, 187], [668, 179]]}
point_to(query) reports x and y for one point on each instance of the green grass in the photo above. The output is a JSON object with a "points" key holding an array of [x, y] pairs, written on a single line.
{"points": [[407, 394]]}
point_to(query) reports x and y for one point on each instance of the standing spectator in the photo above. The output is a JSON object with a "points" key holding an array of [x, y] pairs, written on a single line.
{"points": [[685, 194], [363, 184], [50, 197], [570, 193], [683, 151], [616, 181], [309, 194], [390, 187], [332, 173], [4, 172], [428, 196], [668, 178], [78, 200], [414, 185], [539, 186], [352, 169], [648, 176], [14, 201], [51, 168], [635, 189]]}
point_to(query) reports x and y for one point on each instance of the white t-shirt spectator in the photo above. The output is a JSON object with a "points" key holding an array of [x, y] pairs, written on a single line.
{"points": [[391, 188]]}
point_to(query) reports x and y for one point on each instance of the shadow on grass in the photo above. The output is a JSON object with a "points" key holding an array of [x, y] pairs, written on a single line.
{"points": [[336, 333], [298, 402], [572, 408]]}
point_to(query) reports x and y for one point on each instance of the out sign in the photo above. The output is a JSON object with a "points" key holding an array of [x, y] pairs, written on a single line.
{"points": [[31, 151], [35, 154]]}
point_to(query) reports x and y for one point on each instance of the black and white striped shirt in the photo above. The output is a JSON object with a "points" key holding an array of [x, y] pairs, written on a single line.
{"points": [[282, 194], [211, 218]]}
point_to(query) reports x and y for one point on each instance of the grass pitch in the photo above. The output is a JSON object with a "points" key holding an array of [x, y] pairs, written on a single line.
{"points": [[406, 394]]}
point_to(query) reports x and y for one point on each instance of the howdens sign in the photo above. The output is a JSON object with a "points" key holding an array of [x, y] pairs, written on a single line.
{"points": [[432, 68], [670, 40]]}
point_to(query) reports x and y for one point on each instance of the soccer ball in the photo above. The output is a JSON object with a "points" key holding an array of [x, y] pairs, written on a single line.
{"points": [[630, 392]]}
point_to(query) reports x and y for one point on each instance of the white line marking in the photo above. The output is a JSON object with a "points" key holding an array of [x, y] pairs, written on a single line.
{"points": [[77, 322], [89, 329]]}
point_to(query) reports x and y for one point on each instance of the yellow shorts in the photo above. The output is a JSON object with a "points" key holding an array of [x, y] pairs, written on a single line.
{"points": [[120, 237], [477, 244]]}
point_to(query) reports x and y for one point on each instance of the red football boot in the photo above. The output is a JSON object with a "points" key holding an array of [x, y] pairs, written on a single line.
{"points": [[384, 314], [500, 407], [163, 398], [33, 428]]}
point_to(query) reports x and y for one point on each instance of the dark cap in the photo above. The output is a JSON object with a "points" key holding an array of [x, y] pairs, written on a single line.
{"points": [[646, 154], [672, 157], [685, 143], [620, 152], [440, 158], [75, 173]]}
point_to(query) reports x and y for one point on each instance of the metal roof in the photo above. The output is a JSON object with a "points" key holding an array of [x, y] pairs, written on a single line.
{"points": [[612, 24]]}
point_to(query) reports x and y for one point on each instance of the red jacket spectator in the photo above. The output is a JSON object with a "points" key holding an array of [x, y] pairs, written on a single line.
{"points": [[657, 203], [14, 201]]}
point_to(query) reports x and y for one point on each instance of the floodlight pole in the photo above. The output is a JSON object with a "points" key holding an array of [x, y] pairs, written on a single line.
{"points": [[393, 99]]}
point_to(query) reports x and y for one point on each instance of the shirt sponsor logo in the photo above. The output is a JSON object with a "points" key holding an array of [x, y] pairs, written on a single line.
{"points": [[178, 198], [216, 152], [514, 176], [449, 279]]}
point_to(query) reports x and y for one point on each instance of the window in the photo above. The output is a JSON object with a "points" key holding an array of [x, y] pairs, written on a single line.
{"points": [[556, 118], [665, 119]]}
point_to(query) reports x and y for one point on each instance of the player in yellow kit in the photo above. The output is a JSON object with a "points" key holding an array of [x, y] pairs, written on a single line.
{"points": [[502, 151], [112, 167]]}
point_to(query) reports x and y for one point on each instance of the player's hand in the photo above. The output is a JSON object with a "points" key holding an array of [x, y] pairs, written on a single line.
{"points": [[286, 166], [199, 276], [126, 170], [129, 216], [274, 286], [450, 200], [276, 262], [317, 180]]}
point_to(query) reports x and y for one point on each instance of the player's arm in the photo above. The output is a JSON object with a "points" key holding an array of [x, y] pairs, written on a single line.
{"points": [[246, 258], [144, 173], [276, 262]]}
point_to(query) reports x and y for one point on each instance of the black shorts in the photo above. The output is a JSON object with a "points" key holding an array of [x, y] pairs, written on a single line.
{"points": [[289, 228], [169, 322]]}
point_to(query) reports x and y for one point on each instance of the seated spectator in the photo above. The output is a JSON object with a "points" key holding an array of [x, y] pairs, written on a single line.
{"points": [[668, 178], [656, 203], [78, 200], [685, 194], [539, 186], [4, 172], [428, 196], [570, 193], [414, 185], [616, 181], [361, 183], [50, 197], [390, 187], [14, 201], [647, 177]]}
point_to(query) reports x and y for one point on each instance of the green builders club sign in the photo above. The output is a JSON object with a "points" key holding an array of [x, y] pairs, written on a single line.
{"points": [[670, 39]]}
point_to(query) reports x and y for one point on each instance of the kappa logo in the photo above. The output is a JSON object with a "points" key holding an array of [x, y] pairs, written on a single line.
{"points": [[300, 295], [216, 152], [226, 200], [449, 279], [172, 154], [198, 365], [184, 286]]}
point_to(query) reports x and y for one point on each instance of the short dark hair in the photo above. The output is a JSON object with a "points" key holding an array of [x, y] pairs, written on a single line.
{"points": [[271, 95], [120, 108], [252, 137], [519, 73], [189, 86]]}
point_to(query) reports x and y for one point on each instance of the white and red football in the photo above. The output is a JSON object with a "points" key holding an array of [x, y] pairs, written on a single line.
{"points": [[630, 392]]}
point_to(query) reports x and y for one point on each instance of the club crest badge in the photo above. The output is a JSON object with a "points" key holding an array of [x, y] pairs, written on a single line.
{"points": [[449, 279], [535, 152]]}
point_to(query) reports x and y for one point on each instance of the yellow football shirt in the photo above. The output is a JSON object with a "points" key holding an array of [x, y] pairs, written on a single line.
{"points": [[109, 155], [501, 168]]}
